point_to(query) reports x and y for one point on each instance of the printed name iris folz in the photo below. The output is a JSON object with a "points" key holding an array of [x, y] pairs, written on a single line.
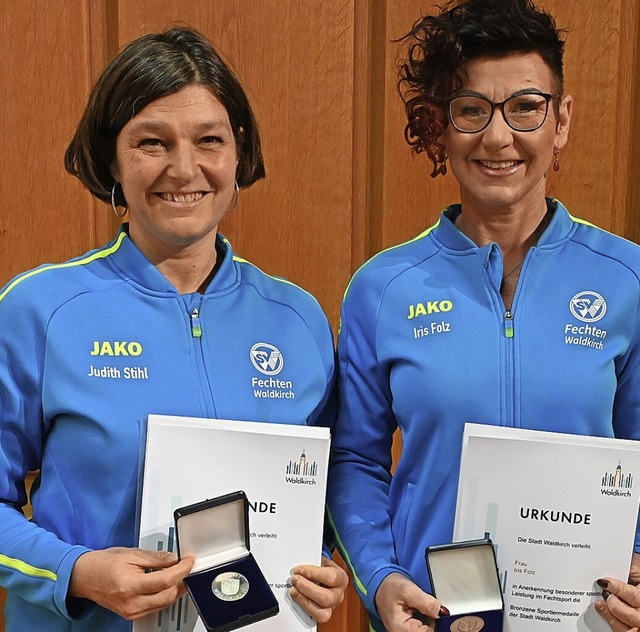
{"points": [[550, 515]]}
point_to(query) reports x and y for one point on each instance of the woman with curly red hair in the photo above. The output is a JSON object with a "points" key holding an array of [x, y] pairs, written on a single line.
{"points": [[467, 321]]}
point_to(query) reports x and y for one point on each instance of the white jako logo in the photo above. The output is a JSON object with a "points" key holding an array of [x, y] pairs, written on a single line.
{"points": [[588, 306], [266, 358]]}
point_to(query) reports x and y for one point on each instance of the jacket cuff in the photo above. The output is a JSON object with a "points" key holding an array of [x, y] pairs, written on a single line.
{"points": [[377, 578], [71, 607]]}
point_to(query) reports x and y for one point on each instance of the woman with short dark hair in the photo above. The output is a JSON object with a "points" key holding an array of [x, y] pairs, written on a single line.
{"points": [[169, 139]]}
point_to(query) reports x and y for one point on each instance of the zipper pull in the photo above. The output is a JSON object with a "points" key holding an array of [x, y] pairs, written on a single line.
{"points": [[508, 324], [196, 329]]}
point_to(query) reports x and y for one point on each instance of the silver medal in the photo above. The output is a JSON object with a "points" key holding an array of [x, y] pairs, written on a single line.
{"points": [[230, 586]]}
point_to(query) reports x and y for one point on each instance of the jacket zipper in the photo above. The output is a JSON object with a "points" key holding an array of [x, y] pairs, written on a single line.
{"points": [[509, 333], [196, 335], [508, 324], [509, 368], [196, 329]]}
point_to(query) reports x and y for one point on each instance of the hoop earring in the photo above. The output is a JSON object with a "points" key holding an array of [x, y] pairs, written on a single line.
{"points": [[237, 189], [556, 162], [114, 206]]}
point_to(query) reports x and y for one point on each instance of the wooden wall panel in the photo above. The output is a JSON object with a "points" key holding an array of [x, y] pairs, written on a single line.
{"points": [[411, 200], [44, 75], [626, 199], [632, 161], [341, 182], [600, 62]]}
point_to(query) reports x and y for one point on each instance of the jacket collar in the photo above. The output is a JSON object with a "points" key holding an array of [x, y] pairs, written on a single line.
{"points": [[559, 228], [135, 268]]}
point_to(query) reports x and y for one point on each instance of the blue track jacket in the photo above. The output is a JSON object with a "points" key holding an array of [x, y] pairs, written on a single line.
{"points": [[90, 347], [426, 344]]}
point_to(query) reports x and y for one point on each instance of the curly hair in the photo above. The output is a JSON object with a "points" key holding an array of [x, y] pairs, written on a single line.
{"points": [[440, 45], [153, 66]]}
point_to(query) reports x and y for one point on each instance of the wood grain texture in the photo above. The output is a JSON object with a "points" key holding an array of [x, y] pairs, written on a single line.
{"points": [[321, 74], [45, 215]]}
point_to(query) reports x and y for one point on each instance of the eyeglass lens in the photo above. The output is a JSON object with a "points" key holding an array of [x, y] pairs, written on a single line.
{"points": [[523, 112]]}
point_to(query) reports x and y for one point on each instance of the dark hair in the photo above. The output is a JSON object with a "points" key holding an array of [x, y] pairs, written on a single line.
{"points": [[439, 47], [151, 67]]}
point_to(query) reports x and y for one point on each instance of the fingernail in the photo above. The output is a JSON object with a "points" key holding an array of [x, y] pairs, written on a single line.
{"points": [[603, 583], [605, 594], [443, 612]]}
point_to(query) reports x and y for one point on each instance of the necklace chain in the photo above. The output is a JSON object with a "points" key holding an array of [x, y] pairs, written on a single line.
{"points": [[508, 274], [459, 223]]}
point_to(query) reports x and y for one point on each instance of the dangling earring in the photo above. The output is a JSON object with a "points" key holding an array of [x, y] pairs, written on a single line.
{"points": [[556, 162], [114, 206], [235, 203]]}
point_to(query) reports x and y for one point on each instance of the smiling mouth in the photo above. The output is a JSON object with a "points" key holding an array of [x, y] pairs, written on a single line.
{"points": [[181, 197], [504, 164]]}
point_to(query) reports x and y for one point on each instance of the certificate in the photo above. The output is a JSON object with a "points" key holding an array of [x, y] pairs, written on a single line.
{"points": [[281, 468], [561, 510]]}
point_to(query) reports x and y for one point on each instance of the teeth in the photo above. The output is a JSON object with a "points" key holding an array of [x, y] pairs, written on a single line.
{"points": [[181, 197], [499, 165]]}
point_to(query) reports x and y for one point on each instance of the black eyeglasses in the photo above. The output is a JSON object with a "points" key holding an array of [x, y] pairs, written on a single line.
{"points": [[524, 112]]}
